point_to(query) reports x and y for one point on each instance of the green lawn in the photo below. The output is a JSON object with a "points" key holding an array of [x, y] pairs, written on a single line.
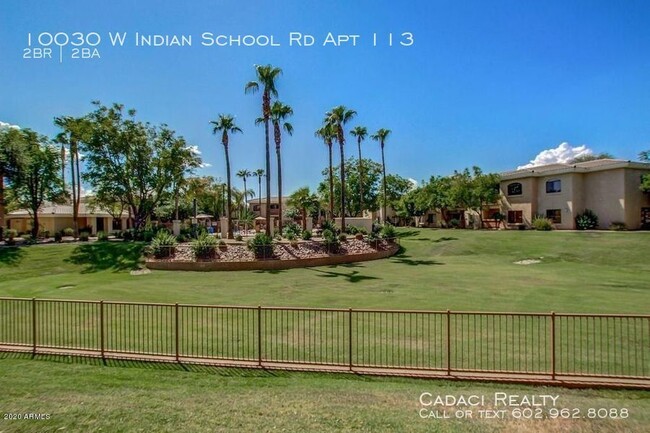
{"points": [[86, 397], [438, 269]]}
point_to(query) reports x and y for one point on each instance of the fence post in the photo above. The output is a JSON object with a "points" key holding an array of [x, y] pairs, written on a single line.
{"points": [[259, 335], [176, 336], [350, 336], [553, 345], [448, 343], [33, 327], [101, 330]]}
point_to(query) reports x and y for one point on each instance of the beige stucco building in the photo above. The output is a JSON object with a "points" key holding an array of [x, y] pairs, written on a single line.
{"points": [[608, 187]]}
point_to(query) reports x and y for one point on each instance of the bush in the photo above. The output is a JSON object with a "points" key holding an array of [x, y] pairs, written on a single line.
{"points": [[306, 235], [388, 232], [618, 226], [58, 237], [329, 225], [239, 238], [261, 245], [587, 220], [290, 236], [146, 235], [343, 237], [127, 235], [163, 245], [84, 236], [291, 229], [102, 236], [454, 223], [182, 238], [362, 231], [117, 234], [542, 223], [331, 242], [45, 234], [204, 247], [68, 232], [352, 230], [11, 233]]}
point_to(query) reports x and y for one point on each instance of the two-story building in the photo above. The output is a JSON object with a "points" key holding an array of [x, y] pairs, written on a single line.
{"points": [[560, 192]]}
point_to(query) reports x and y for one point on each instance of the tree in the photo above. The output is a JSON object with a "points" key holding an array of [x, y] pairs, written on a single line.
{"points": [[591, 157], [645, 179], [73, 130], [327, 134], [280, 112], [435, 195], [40, 179], [225, 124], [381, 135], [304, 200], [360, 132], [12, 163], [337, 118], [266, 76], [259, 173], [132, 162], [244, 174], [485, 191]]}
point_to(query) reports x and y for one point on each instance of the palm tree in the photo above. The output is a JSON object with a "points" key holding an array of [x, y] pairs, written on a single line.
{"points": [[259, 173], [73, 130], [266, 76], [327, 134], [279, 112], [338, 117], [225, 124], [304, 200], [381, 136], [360, 132], [244, 174]]}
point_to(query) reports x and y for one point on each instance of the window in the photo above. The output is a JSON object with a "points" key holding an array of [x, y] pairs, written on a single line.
{"points": [[514, 189], [515, 217], [553, 186], [554, 215], [491, 214], [275, 206], [431, 218], [256, 208]]}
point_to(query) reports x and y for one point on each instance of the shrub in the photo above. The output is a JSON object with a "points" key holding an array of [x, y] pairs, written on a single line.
{"points": [[163, 245], [329, 225], [117, 234], [102, 236], [388, 232], [182, 238], [291, 229], [147, 235], [542, 223], [68, 232], [363, 231], [331, 242], [454, 223], [11, 233], [222, 244], [290, 236], [239, 238], [261, 245], [306, 235], [343, 237], [618, 226], [45, 234], [84, 236], [204, 247], [127, 235], [352, 230], [58, 237], [587, 220]]}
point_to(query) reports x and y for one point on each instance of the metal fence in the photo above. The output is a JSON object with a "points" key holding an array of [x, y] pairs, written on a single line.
{"points": [[549, 344]]}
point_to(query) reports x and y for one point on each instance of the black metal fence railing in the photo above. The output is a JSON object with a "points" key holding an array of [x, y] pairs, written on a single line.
{"points": [[549, 344]]}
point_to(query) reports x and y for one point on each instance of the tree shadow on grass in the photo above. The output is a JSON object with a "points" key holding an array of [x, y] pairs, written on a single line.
{"points": [[102, 256], [445, 239], [11, 255], [270, 271], [352, 277], [402, 258], [408, 233]]}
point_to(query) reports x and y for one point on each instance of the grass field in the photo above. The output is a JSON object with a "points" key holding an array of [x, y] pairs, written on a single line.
{"points": [[437, 269]]}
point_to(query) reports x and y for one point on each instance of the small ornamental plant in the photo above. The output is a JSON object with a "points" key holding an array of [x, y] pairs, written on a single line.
{"points": [[261, 245], [204, 247], [163, 245]]}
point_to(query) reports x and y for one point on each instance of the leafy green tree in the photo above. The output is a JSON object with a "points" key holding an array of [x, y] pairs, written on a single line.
{"points": [[304, 200], [381, 135], [225, 124], [396, 187], [591, 157], [266, 76], [645, 179], [360, 133], [130, 161], [12, 164], [474, 190], [327, 134], [337, 117], [435, 195], [40, 179], [279, 113]]}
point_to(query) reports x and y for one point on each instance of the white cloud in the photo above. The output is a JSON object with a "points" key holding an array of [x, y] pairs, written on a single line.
{"points": [[561, 154], [205, 165], [414, 182], [194, 149], [4, 125]]}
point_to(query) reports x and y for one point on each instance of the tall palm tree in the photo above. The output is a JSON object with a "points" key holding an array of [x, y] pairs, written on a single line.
{"points": [[259, 173], [279, 112], [266, 76], [381, 135], [338, 117], [73, 131], [360, 132], [225, 124], [244, 174], [327, 134], [304, 200]]}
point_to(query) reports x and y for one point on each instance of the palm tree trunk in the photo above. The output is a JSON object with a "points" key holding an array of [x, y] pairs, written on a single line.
{"points": [[2, 206], [360, 180], [259, 192], [245, 203], [331, 184], [73, 182], [229, 195], [342, 187], [383, 170], [279, 188], [268, 179]]}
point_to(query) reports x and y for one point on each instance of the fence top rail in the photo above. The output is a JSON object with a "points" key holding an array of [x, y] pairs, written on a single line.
{"points": [[354, 310]]}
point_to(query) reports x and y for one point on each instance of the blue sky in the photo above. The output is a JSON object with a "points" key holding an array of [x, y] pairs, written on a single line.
{"points": [[485, 83]]}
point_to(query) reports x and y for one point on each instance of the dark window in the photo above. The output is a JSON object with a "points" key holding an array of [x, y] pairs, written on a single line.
{"points": [[275, 206], [430, 218], [491, 214], [554, 215], [514, 189], [256, 208], [553, 186], [515, 217]]}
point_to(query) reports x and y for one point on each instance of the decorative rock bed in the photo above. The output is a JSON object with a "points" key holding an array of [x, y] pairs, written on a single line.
{"points": [[285, 256]]}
